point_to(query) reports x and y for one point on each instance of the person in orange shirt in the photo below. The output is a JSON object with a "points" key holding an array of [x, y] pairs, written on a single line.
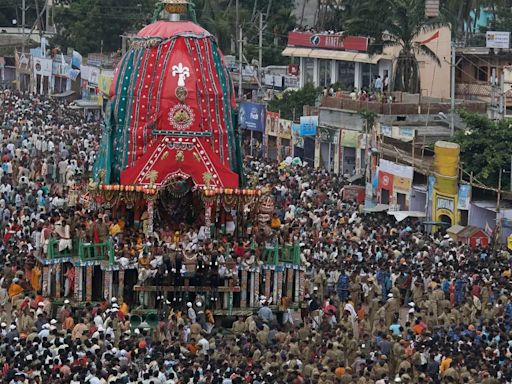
{"points": [[445, 364], [68, 323], [418, 328], [14, 289]]}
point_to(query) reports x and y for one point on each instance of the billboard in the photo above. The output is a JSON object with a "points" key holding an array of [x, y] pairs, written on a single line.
{"points": [[308, 125], [327, 41], [251, 116], [272, 126], [494, 39], [298, 140], [285, 129], [42, 66], [464, 196]]}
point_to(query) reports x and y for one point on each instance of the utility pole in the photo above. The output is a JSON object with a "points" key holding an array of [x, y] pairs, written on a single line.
{"points": [[260, 49], [493, 94], [499, 192], [502, 96], [23, 9], [452, 120], [240, 58], [237, 21], [47, 16]]}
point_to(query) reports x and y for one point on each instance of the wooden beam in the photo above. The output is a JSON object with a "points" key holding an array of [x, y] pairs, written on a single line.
{"points": [[161, 288]]}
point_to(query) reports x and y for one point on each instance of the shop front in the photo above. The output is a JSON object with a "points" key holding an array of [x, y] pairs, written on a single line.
{"points": [[271, 130]]}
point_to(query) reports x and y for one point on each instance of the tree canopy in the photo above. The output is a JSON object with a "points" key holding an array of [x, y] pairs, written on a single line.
{"points": [[219, 18], [290, 103], [486, 147], [90, 25], [86, 23]]}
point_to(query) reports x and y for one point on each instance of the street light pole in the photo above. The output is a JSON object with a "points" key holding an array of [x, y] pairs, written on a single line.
{"points": [[240, 67], [260, 48], [452, 91]]}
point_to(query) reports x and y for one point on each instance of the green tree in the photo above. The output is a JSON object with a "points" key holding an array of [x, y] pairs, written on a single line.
{"points": [[89, 25], [502, 20], [219, 18], [486, 147], [290, 103]]}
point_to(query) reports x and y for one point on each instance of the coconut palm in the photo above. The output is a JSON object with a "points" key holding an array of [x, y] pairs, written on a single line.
{"points": [[397, 23]]}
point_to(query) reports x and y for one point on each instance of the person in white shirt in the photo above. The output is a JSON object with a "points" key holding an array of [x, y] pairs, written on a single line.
{"points": [[98, 320], [204, 345]]}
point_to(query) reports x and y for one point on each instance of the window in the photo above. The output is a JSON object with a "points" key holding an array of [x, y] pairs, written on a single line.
{"points": [[481, 73], [325, 73], [308, 70], [369, 73], [345, 74]]}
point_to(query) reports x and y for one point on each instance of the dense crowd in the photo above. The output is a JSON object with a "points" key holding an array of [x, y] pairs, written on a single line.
{"points": [[385, 302]]}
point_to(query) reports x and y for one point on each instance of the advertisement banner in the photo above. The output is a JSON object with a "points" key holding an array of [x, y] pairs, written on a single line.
{"points": [[349, 138], [464, 196], [42, 66], [308, 125], [495, 39], [22, 62], [252, 116], [104, 83], [328, 41], [94, 76], [386, 130], [402, 184], [76, 60], [272, 126], [431, 183], [298, 140], [396, 169], [406, 133], [285, 129], [385, 181]]}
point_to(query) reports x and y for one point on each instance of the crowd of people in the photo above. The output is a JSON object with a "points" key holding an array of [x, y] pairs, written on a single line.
{"points": [[384, 301]]}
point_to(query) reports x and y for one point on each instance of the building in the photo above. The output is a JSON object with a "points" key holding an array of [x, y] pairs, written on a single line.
{"points": [[410, 119], [325, 59], [485, 73]]}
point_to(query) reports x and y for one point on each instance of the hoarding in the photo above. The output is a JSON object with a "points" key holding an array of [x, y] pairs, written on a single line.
{"points": [[495, 39], [252, 116], [327, 41], [308, 125]]}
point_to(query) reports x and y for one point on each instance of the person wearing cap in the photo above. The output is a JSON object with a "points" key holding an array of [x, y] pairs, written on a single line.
{"points": [[392, 306], [191, 313]]}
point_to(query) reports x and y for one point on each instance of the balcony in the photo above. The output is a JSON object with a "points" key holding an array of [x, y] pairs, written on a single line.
{"points": [[405, 105], [471, 91]]}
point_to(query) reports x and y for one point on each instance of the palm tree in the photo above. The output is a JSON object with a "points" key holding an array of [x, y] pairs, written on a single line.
{"points": [[397, 23]]}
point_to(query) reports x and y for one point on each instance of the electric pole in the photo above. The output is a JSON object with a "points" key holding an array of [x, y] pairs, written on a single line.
{"points": [[240, 58], [260, 49], [452, 91], [237, 21], [47, 16], [23, 9]]}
